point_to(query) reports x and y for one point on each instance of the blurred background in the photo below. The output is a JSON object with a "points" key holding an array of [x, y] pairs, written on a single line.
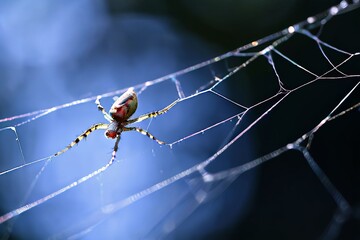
{"points": [[57, 52]]}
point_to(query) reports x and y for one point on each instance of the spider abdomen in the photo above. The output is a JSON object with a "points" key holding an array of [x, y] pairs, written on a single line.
{"points": [[124, 106]]}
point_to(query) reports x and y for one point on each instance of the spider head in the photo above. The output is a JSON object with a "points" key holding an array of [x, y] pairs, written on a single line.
{"points": [[110, 134], [112, 130]]}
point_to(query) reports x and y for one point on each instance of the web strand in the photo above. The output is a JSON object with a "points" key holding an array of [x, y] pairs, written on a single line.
{"points": [[267, 105]]}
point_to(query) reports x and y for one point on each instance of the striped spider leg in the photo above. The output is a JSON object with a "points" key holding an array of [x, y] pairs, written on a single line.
{"points": [[144, 117], [118, 117]]}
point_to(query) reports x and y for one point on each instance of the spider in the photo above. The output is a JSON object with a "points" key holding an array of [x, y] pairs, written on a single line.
{"points": [[120, 112]]}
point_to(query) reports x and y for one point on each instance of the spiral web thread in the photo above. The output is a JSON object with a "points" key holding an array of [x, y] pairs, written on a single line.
{"points": [[269, 47]]}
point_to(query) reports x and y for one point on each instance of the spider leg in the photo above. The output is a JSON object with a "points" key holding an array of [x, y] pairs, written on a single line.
{"points": [[142, 131], [82, 136], [152, 114], [102, 109], [116, 146]]}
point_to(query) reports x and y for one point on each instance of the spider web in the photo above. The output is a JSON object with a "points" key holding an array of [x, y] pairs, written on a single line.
{"points": [[262, 143]]}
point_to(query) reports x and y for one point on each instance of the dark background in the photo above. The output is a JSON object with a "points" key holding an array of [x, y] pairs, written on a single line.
{"points": [[54, 53]]}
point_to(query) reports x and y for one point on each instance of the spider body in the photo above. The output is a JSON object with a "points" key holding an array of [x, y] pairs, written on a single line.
{"points": [[124, 107], [118, 117], [121, 110]]}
